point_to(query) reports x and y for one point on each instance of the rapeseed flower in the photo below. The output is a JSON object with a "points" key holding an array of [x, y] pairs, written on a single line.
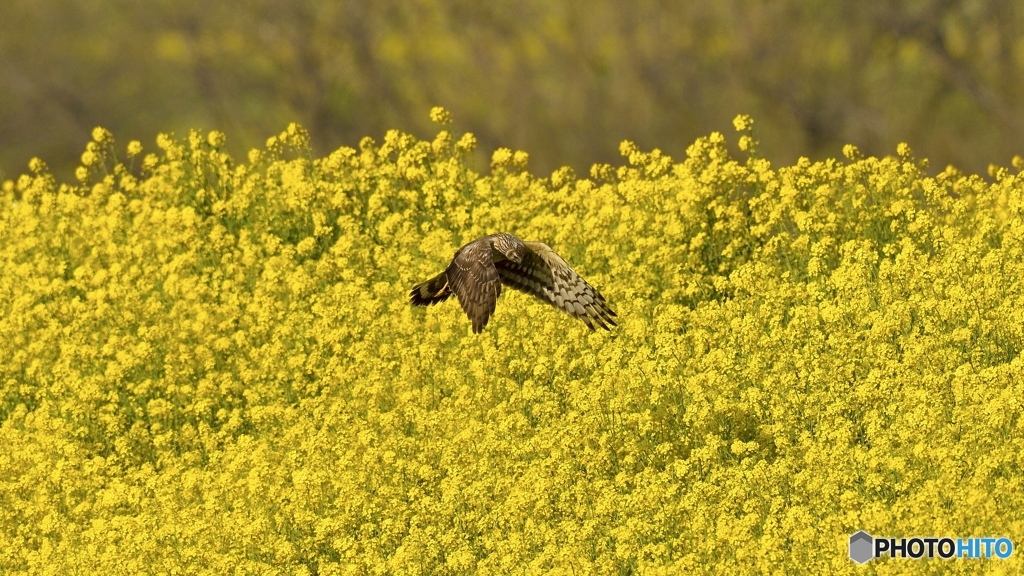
{"points": [[211, 366]]}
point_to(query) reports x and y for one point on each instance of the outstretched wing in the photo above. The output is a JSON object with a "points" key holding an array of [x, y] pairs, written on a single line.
{"points": [[475, 282], [544, 274]]}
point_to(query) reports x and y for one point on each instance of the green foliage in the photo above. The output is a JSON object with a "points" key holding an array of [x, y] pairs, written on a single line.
{"points": [[566, 80]]}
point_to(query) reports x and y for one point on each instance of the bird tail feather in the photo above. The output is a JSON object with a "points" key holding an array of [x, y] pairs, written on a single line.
{"points": [[431, 292]]}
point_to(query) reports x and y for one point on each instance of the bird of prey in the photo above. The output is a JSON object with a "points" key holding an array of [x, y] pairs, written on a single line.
{"points": [[479, 269]]}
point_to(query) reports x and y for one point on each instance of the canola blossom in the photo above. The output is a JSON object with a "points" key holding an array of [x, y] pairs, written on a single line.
{"points": [[212, 367]]}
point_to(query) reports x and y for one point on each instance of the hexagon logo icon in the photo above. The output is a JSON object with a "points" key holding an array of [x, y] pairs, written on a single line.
{"points": [[861, 547]]}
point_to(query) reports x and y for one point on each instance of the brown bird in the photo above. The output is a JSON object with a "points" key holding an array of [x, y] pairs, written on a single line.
{"points": [[479, 269]]}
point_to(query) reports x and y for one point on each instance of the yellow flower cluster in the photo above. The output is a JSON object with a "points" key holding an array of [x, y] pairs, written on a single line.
{"points": [[211, 367]]}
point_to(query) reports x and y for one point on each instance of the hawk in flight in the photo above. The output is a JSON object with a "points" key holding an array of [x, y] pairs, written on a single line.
{"points": [[479, 269]]}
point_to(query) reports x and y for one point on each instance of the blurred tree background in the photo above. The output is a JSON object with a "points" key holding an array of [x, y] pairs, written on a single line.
{"points": [[564, 80]]}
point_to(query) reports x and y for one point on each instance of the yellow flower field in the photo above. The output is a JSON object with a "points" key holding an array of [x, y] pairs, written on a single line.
{"points": [[211, 367]]}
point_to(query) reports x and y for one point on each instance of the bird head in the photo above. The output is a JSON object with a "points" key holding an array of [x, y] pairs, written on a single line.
{"points": [[510, 247], [515, 254]]}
